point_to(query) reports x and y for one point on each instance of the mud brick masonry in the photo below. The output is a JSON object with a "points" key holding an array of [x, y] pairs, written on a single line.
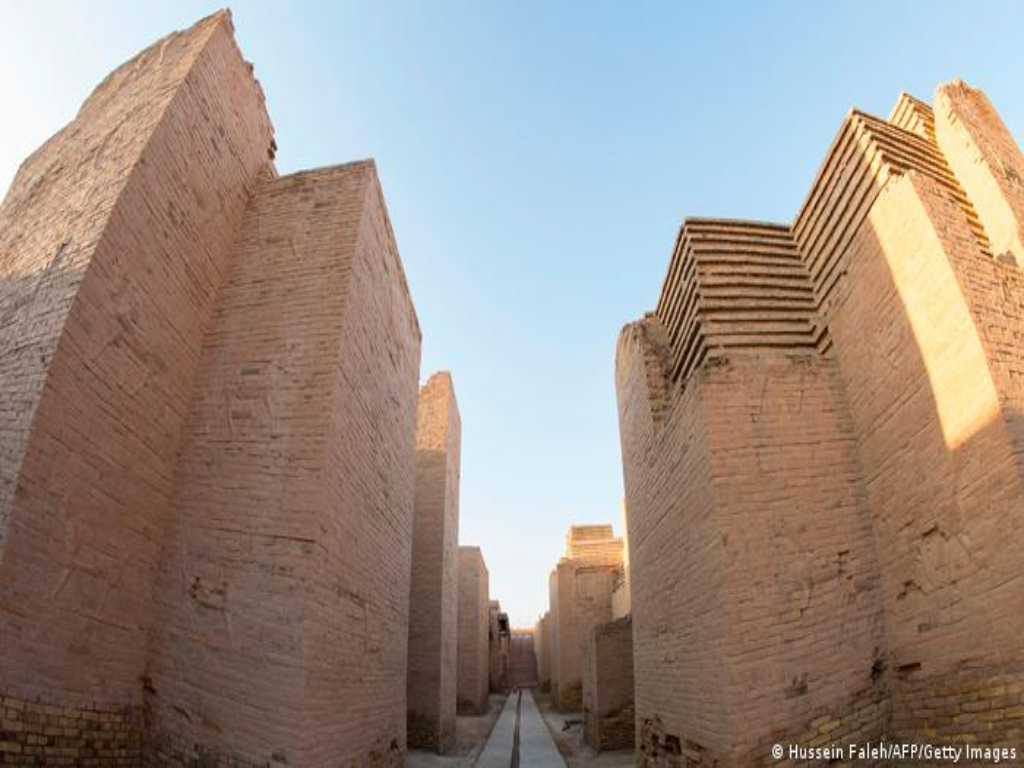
{"points": [[581, 588], [434, 596], [473, 677], [822, 442], [608, 686], [543, 650], [499, 639], [208, 406], [229, 516]]}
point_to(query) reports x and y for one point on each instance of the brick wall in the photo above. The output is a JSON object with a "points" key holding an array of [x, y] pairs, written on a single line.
{"points": [[860, 493], [608, 711], [497, 651], [473, 673], [919, 373], [544, 651], [676, 553], [116, 236], [621, 596], [803, 611], [986, 161], [433, 602], [205, 530], [356, 646], [280, 591], [748, 529], [581, 599], [36, 733]]}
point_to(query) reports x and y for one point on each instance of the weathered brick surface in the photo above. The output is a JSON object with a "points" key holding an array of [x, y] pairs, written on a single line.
{"points": [[621, 595], [37, 733], [498, 635], [522, 660], [987, 162], [580, 599], [543, 649], [433, 612], [778, 503], [206, 517], [280, 558], [473, 667], [595, 544], [356, 649], [862, 493], [114, 239], [934, 412], [608, 712]]}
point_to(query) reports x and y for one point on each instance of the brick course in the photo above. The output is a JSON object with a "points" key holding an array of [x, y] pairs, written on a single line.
{"points": [[608, 710], [473, 667], [581, 598]]}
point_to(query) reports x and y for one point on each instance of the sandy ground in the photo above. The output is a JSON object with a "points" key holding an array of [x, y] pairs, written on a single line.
{"points": [[570, 740], [470, 736]]}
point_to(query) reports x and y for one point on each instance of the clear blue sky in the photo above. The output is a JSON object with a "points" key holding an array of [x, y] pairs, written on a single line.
{"points": [[537, 159]]}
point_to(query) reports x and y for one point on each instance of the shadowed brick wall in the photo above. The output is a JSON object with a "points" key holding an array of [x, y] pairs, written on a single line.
{"points": [[756, 548], [608, 714], [498, 647], [433, 604], [473, 671], [544, 651]]}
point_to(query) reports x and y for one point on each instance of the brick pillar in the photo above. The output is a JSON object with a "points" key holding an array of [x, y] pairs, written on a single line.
{"points": [[608, 712], [116, 235], [473, 667], [282, 599], [986, 161], [433, 602]]}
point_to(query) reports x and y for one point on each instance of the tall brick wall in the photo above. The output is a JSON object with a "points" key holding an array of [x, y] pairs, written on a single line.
{"points": [[358, 612], [927, 407], [621, 595], [116, 235], [473, 669], [543, 649], [835, 467], [433, 602], [678, 570], [280, 573], [498, 647], [208, 468], [608, 712], [773, 498], [522, 659], [581, 598]]}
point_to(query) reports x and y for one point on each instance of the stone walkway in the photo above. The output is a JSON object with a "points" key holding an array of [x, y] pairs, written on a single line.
{"points": [[520, 738]]}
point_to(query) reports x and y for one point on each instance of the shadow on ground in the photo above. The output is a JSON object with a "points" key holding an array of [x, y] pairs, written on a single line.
{"points": [[470, 736], [570, 740]]}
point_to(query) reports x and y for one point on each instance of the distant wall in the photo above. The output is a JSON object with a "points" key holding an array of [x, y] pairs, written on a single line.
{"points": [[608, 711], [433, 601], [473, 671], [583, 596]]}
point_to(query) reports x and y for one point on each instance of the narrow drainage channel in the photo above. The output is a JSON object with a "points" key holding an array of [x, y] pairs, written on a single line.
{"points": [[515, 737]]}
